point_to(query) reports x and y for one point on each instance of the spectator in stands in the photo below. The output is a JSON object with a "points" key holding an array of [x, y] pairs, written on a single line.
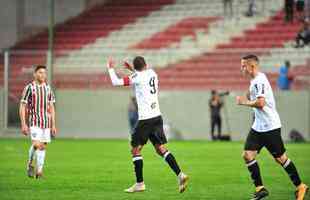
{"points": [[303, 36], [228, 4], [300, 6], [307, 9], [250, 11], [215, 104], [289, 10], [285, 78], [132, 113]]}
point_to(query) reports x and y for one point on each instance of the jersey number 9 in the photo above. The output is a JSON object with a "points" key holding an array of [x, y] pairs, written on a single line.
{"points": [[152, 85]]}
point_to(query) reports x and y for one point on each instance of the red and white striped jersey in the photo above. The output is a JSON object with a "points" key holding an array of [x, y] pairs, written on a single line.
{"points": [[38, 98]]}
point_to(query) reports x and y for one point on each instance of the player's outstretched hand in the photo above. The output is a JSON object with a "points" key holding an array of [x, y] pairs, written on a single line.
{"points": [[25, 129], [110, 63]]}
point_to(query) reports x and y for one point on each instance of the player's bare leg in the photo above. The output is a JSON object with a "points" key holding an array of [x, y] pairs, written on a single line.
{"points": [[288, 165], [32, 150], [260, 191], [301, 191], [169, 158], [40, 153], [137, 159]]}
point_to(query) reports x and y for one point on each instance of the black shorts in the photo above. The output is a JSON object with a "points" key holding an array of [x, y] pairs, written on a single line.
{"points": [[149, 129], [272, 140]]}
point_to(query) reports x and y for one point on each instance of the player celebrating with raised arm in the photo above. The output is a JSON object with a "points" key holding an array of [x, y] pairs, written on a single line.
{"points": [[150, 124], [266, 129], [37, 103]]}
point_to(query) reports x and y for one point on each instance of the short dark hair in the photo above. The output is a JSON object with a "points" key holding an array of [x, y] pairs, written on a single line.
{"points": [[139, 63], [250, 57], [38, 67]]}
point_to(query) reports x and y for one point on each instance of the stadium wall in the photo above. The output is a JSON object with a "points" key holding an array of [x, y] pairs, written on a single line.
{"points": [[103, 113]]}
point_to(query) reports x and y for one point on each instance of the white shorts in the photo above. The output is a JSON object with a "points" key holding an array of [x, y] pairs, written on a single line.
{"points": [[39, 134]]}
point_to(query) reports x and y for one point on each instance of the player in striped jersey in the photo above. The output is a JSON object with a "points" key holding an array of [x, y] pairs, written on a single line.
{"points": [[37, 105]]}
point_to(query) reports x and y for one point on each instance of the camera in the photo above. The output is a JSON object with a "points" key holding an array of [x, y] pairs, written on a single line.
{"points": [[222, 94]]}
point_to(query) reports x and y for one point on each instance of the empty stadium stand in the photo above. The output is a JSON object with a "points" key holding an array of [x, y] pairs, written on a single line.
{"points": [[176, 32], [75, 33], [219, 69]]}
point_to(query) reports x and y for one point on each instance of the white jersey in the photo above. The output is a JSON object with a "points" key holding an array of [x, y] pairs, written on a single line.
{"points": [[145, 84], [267, 118]]}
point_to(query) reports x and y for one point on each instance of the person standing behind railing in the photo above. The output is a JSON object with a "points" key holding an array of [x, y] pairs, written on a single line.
{"points": [[289, 10], [307, 9], [215, 105], [285, 78], [251, 8], [300, 10], [303, 36]]}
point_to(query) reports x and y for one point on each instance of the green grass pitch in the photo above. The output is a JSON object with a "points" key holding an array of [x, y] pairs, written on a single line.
{"points": [[101, 169]]}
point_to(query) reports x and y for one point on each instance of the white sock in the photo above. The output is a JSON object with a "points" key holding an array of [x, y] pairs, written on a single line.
{"points": [[40, 159], [31, 154], [181, 175], [140, 184]]}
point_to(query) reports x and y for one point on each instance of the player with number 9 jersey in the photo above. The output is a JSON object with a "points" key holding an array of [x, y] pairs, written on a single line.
{"points": [[145, 84], [150, 125]]}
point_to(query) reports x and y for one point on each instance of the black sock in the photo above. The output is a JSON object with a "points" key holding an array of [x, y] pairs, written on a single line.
{"points": [[292, 172], [255, 172], [172, 162], [138, 163]]}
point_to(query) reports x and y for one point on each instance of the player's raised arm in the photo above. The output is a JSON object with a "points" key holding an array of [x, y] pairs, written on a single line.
{"points": [[116, 81]]}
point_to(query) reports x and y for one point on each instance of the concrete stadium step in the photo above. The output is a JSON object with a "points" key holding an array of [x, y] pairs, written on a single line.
{"points": [[174, 33]]}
